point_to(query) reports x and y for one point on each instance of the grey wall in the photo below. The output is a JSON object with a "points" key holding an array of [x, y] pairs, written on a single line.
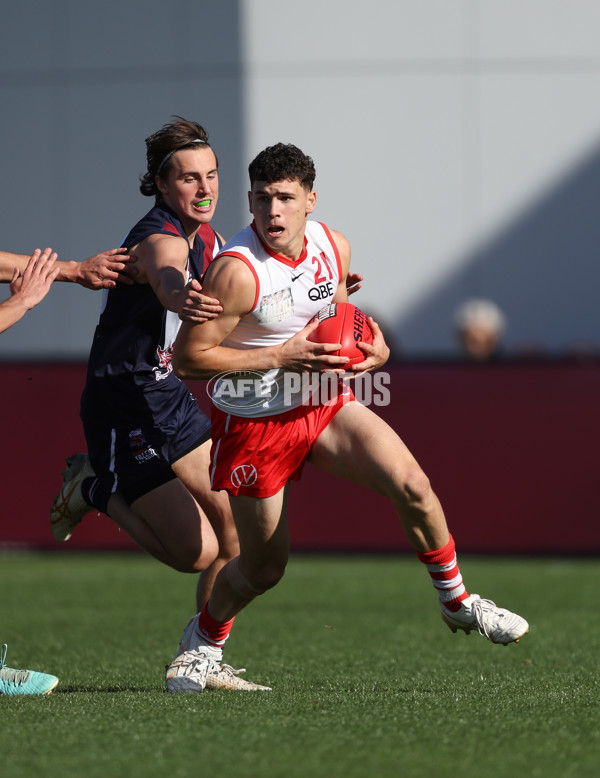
{"points": [[81, 85], [456, 145]]}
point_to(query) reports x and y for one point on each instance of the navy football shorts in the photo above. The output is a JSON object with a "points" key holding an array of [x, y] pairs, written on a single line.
{"points": [[135, 458]]}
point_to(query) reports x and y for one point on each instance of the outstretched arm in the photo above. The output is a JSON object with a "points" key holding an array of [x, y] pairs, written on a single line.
{"points": [[28, 288], [162, 262], [102, 271]]}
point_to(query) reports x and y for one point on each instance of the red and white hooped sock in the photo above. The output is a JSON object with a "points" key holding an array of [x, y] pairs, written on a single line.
{"points": [[215, 633], [445, 575]]}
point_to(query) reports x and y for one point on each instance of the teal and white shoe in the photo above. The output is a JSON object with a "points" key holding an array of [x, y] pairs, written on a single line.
{"points": [[24, 681]]}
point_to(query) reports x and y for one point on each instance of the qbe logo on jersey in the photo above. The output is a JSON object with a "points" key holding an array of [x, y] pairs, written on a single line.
{"points": [[243, 475]]}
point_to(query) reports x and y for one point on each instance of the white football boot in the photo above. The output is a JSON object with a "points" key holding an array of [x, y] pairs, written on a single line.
{"points": [[223, 676], [498, 625], [69, 507], [197, 666], [187, 672]]}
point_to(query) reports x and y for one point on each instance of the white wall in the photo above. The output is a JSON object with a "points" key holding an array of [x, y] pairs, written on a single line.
{"points": [[456, 144]]}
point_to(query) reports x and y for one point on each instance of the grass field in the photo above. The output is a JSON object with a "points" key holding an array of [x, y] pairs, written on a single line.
{"points": [[367, 680]]}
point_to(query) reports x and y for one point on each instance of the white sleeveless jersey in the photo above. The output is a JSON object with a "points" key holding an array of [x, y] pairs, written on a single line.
{"points": [[288, 295]]}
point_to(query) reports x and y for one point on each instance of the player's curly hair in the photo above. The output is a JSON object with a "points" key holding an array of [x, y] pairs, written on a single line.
{"points": [[177, 134], [281, 162]]}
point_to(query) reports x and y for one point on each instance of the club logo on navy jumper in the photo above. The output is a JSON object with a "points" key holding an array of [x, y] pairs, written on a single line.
{"points": [[141, 450], [243, 475], [164, 367]]}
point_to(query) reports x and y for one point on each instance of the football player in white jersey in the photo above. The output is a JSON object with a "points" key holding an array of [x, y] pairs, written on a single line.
{"points": [[254, 457]]}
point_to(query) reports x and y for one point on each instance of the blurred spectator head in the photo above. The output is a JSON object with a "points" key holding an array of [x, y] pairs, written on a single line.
{"points": [[480, 326]]}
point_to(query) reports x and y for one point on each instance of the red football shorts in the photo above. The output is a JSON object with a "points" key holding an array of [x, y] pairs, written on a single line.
{"points": [[257, 457]]}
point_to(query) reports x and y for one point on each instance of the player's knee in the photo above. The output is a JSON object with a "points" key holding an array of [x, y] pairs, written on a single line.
{"points": [[265, 576], [270, 575], [416, 489], [255, 580], [194, 557]]}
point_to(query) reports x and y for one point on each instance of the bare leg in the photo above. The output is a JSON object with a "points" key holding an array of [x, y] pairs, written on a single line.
{"points": [[183, 523], [169, 522], [359, 446], [264, 550], [141, 531], [194, 474], [137, 528]]}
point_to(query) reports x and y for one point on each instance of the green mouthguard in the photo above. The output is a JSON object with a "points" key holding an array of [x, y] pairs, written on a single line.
{"points": [[202, 203]]}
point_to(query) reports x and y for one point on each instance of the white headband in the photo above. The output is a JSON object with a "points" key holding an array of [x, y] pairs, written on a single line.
{"points": [[170, 154]]}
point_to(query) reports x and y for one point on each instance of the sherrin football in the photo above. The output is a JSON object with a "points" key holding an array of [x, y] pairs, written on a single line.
{"points": [[346, 324]]}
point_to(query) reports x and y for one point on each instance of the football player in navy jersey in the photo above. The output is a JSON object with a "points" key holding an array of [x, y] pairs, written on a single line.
{"points": [[148, 441]]}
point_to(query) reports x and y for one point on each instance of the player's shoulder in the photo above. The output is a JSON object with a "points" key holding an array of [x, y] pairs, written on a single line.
{"points": [[236, 261], [157, 244], [229, 268], [157, 223], [315, 228], [341, 241], [244, 240], [232, 280], [157, 251]]}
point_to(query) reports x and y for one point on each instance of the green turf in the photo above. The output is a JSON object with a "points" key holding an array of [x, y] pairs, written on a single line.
{"points": [[367, 680]]}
